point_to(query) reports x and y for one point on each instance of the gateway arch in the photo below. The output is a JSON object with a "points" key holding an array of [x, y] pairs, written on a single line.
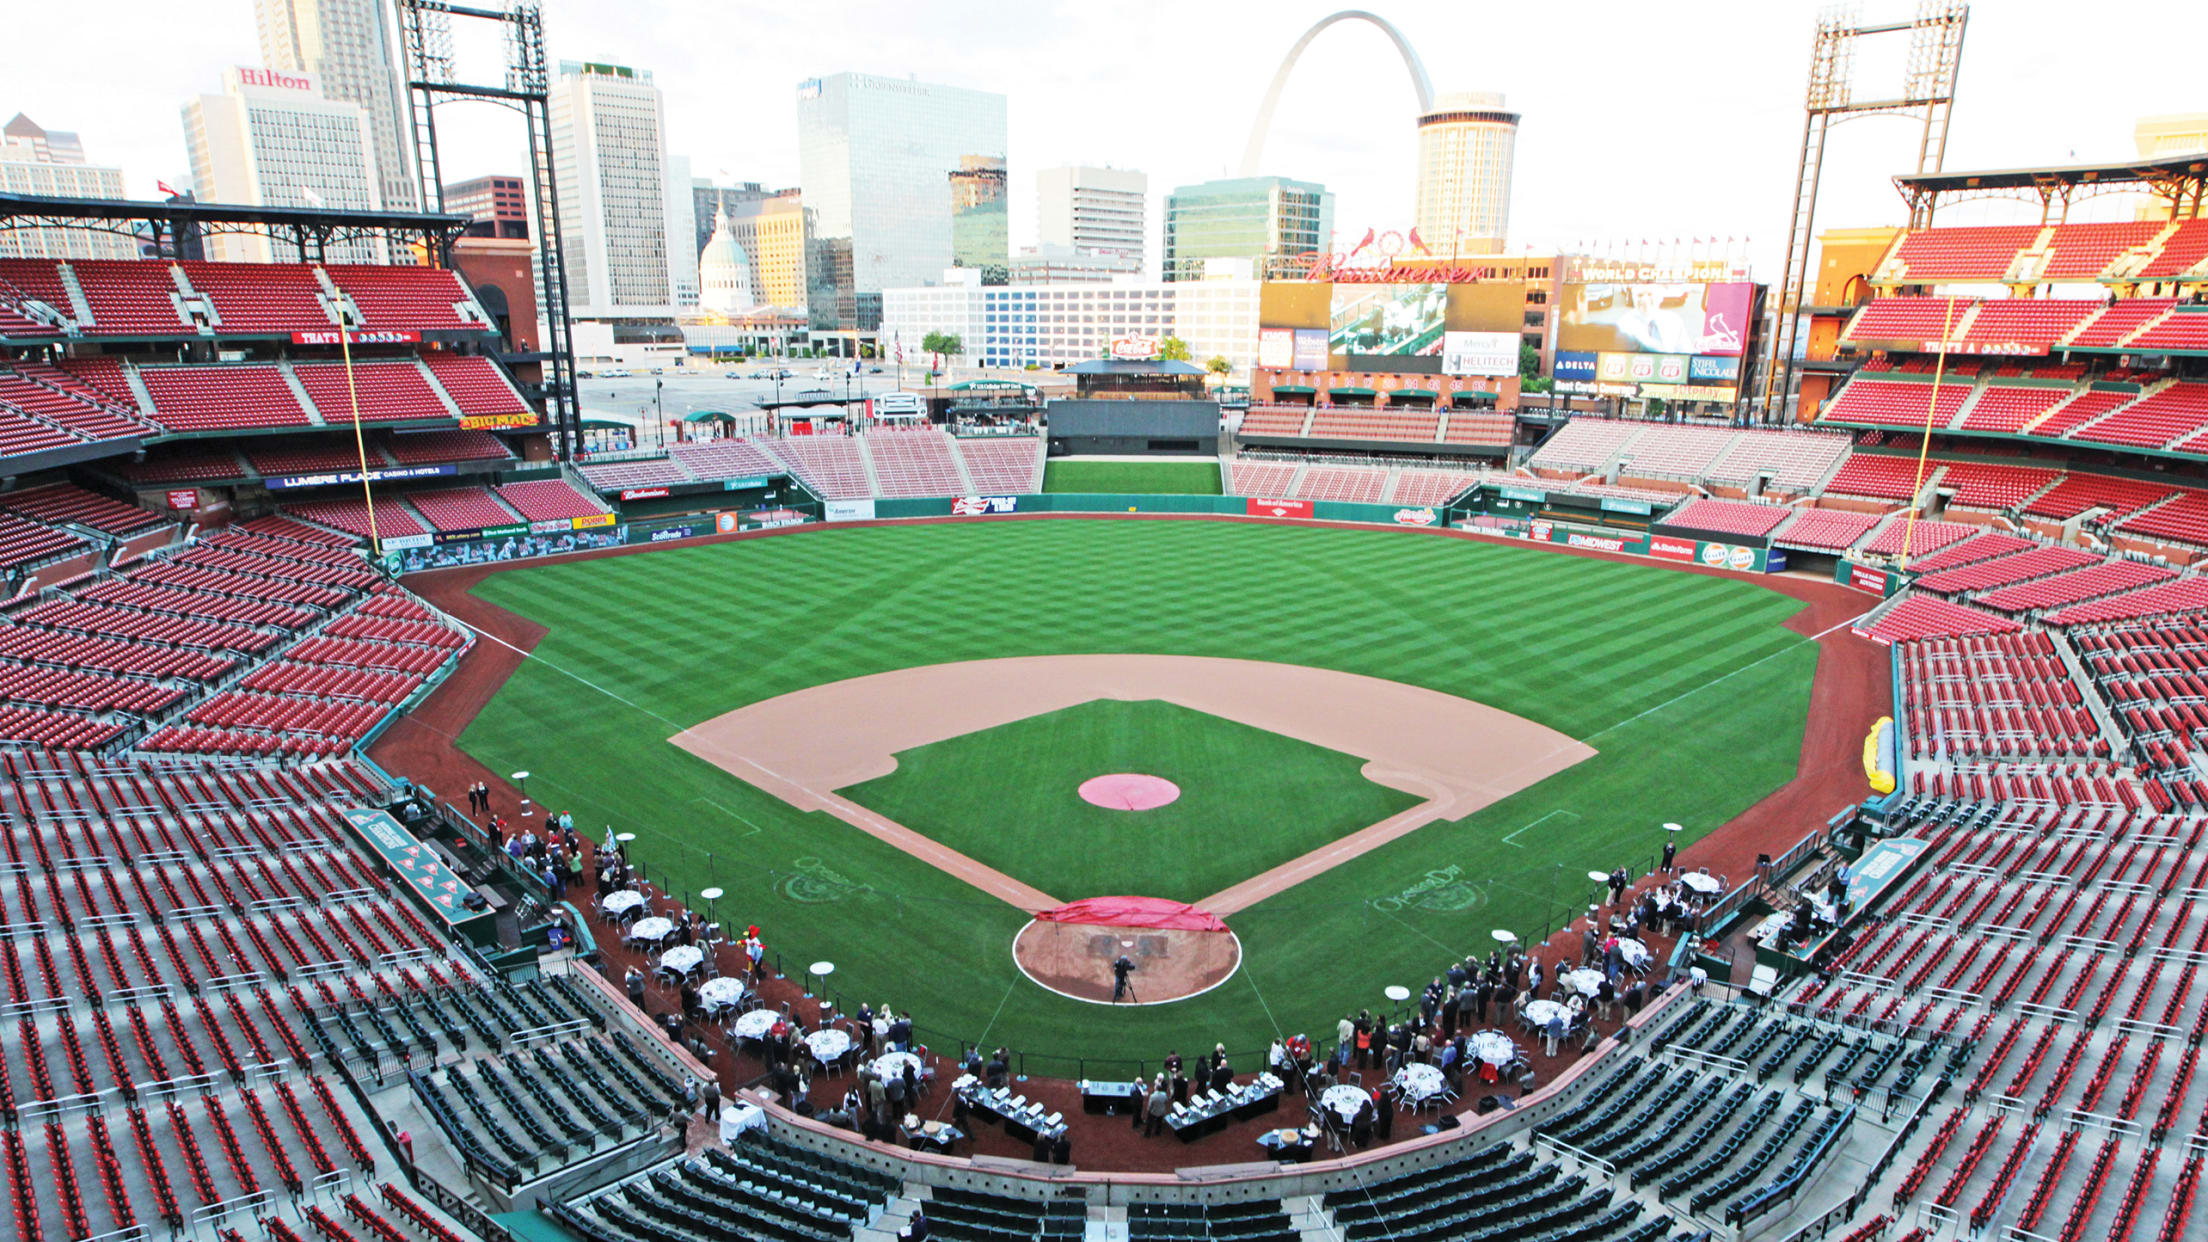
{"points": [[1253, 154]]}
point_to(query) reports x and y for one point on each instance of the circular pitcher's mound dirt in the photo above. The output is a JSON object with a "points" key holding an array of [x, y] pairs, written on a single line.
{"points": [[1128, 791], [1075, 959]]}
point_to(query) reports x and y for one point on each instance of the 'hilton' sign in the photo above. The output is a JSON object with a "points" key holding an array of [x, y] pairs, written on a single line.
{"points": [[270, 77]]}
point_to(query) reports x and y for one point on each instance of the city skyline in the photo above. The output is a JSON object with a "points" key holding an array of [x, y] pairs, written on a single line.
{"points": [[1709, 155]]}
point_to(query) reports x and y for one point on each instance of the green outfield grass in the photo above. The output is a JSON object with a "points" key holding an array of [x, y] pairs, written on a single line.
{"points": [[1250, 799], [1184, 478], [1689, 687]]}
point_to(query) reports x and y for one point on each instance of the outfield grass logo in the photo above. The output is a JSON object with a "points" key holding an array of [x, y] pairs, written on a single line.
{"points": [[1443, 890], [812, 882]]}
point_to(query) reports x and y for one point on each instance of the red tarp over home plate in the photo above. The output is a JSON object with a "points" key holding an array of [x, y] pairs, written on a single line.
{"points": [[1153, 912]]}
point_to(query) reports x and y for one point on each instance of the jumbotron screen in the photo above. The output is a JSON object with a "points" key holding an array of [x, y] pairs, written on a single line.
{"points": [[1391, 320], [1693, 319]]}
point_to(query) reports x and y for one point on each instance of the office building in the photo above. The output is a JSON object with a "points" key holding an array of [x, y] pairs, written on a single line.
{"points": [[772, 232], [981, 232], [271, 139], [706, 200], [350, 49], [615, 183], [1063, 265], [1261, 219], [499, 205], [1097, 210], [874, 157], [1051, 325], [682, 224], [1466, 142], [51, 162]]}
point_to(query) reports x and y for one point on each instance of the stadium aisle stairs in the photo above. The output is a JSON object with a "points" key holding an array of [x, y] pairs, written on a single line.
{"points": [[2089, 693], [866, 462], [299, 394], [437, 386], [965, 476]]}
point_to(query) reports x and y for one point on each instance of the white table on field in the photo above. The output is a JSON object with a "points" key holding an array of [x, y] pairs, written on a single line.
{"points": [[892, 1065], [1584, 982], [652, 930], [1703, 883], [1539, 1012], [828, 1046], [1494, 1047], [723, 993], [1633, 953], [1419, 1083], [755, 1023], [1343, 1100], [622, 901]]}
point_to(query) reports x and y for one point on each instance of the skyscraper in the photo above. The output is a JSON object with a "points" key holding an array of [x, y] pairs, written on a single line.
{"points": [[1465, 146], [874, 156], [772, 232], [272, 140], [1256, 218], [348, 47], [981, 232], [1094, 210], [499, 205], [42, 161], [609, 144], [706, 200]]}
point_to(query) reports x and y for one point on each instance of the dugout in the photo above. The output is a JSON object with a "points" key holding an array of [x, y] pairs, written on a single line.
{"points": [[1133, 408]]}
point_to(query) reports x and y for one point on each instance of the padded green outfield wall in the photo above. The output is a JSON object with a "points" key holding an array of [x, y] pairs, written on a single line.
{"points": [[1141, 502]]}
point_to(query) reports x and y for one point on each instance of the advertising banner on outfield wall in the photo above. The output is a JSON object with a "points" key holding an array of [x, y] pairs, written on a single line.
{"points": [[973, 506], [1256, 507], [514, 544], [851, 510]]}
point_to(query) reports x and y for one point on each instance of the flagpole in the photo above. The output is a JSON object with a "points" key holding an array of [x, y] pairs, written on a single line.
{"points": [[360, 440], [1924, 450]]}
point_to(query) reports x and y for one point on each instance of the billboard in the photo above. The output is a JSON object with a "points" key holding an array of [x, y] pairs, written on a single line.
{"points": [[1479, 353], [1276, 347], [1641, 368], [1388, 320], [1656, 318]]}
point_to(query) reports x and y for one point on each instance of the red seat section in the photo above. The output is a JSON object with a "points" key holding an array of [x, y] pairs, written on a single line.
{"points": [[1908, 319], [2083, 251], [385, 391], [2008, 409], [261, 297], [2078, 493], [461, 508], [1728, 517], [130, 297], [47, 394], [1926, 616], [2028, 324], [2185, 250], [221, 397], [61, 502], [25, 542], [409, 298], [476, 385], [2184, 328], [1885, 403], [1827, 529], [1878, 477], [546, 500], [414, 448], [2111, 326], [1982, 252], [2155, 420]]}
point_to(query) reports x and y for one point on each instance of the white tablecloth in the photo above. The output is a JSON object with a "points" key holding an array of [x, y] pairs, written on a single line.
{"points": [[828, 1045], [892, 1064], [682, 959], [721, 993], [755, 1023], [1419, 1082], [1494, 1047], [622, 901], [1704, 884], [737, 1118], [654, 929], [1539, 1012], [1343, 1100], [1584, 982], [1633, 953]]}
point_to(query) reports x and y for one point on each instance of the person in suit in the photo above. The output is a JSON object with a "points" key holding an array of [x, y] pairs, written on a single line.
{"points": [[1671, 851]]}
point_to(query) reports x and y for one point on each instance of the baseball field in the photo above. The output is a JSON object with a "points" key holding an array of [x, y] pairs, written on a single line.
{"points": [[1602, 698]]}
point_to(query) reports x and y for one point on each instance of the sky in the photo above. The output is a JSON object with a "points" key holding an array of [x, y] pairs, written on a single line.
{"points": [[1641, 122]]}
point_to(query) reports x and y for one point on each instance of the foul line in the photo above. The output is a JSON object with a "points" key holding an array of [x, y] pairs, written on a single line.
{"points": [[1812, 639], [531, 655], [1512, 839], [755, 829], [1262, 1005], [983, 1038], [1407, 926]]}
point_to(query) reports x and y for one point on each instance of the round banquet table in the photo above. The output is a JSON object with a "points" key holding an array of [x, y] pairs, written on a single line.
{"points": [[1584, 982], [1343, 1100], [621, 901], [682, 959], [1494, 1047], [892, 1064], [826, 1046], [654, 929], [1706, 885], [1539, 1012], [1419, 1082], [722, 993], [1633, 953], [754, 1024]]}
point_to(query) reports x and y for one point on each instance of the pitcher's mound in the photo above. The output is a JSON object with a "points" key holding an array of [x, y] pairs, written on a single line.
{"points": [[1128, 791], [1176, 950]]}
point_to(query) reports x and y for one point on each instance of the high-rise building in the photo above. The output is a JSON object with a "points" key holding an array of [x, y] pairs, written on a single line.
{"points": [[609, 147], [981, 233], [351, 50], [272, 139], [1097, 210], [682, 269], [1261, 219], [1049, 325], [1465, 145], [874, 154], [724, 272], [499, 205], [773, 233], [51, 162]]}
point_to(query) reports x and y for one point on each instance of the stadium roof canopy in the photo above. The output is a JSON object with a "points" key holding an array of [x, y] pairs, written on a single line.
{"points": [[2178, 178], [163, 219]]}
